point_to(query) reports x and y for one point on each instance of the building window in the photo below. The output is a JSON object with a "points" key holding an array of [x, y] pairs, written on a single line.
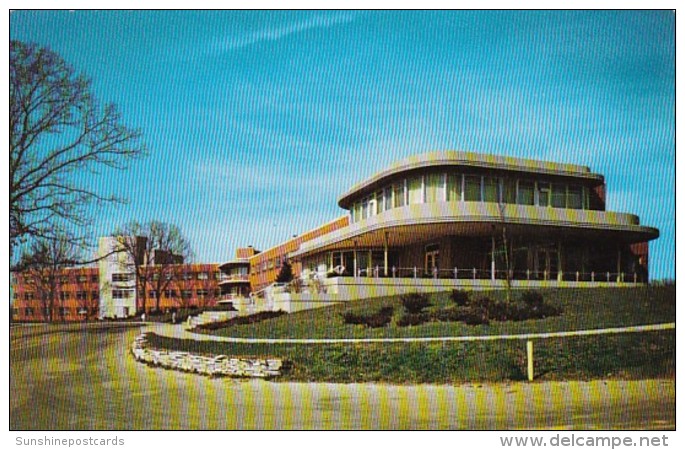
{"points": [[398, 194], [170, 293], [29, 312], [509, 190], [472, 192], [201, 293], [558, 195], [415, 189], [435, 187], [94, 279], [94, 295], [121, 293], [152, 294], [28, 296], [121, 277], [575, 197], [526, 193], [64, 296], [387, 198], [81, 295], [543, 194], [82, 278], [186, 294], [202, 276], [491, 189], [453, 187], [63, 311], [187, 276]]}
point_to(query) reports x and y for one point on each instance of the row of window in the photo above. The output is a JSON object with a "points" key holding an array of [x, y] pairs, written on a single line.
{"points": [[455, 187], [168, 293], [66, 279], [190, 276], [79, 295], [269, 264], [62, 311]]}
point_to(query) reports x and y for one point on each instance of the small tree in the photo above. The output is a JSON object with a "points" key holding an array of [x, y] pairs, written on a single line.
{"points": [[44, 264], [285, 275], [154, 248], [506, 249]]}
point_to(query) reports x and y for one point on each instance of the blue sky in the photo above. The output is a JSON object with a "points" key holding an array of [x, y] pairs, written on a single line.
{"points": [[257, 121]]}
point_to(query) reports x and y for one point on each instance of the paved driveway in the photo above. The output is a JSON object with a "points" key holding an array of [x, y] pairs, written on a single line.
{"points": [[69, 377]]}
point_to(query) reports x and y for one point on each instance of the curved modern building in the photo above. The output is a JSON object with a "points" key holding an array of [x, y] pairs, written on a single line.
{"points": [[465, 216]]}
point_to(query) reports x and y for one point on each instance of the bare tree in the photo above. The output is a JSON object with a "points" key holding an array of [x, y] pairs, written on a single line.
{"points": [[43, 266], [57, 131], [154, 249]]}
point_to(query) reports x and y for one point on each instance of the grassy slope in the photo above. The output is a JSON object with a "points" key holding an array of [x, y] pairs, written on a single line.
{"points": [[583, 308], [634, 355]]}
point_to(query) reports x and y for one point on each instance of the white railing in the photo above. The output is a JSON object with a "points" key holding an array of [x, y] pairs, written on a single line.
{"points": [[473, 273]]}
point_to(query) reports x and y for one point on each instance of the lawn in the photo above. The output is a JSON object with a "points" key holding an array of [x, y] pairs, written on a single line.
{"points": [[634, 355], [582, 309]]}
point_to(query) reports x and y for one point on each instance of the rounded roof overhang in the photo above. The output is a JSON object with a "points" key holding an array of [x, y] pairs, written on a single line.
{"points": [[469, 160], [418, 223]]}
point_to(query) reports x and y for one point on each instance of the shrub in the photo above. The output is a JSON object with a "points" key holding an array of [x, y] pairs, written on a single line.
{"points": [[377, 319], [481, 302], [475, 316], [460, 297], [415, 303], [532, 299], [448, 314], [409, 319]]}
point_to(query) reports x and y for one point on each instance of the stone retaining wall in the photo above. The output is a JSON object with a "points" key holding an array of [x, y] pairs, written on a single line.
{"points": [[216, 366]]}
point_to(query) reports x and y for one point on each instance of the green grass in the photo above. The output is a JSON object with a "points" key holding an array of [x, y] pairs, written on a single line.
{"points": [[582, 309], [632, 355]]}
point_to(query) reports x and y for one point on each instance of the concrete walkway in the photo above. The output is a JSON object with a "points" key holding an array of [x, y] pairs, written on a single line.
{"points": [[179, 331]]}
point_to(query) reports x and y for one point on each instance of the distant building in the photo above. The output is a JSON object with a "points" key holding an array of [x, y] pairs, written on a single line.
{"points": [[112, 289]]}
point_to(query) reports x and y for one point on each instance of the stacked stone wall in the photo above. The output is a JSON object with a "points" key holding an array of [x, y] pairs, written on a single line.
{"points": [[209, 365]]}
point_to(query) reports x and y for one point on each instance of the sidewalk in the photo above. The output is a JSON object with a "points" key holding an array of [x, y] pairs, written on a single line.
{"points": [[179, 331]]}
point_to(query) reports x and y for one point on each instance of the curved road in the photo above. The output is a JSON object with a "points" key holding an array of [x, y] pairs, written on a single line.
{"points": [[69, 377]]}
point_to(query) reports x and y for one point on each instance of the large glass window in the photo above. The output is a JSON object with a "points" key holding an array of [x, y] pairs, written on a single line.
{"points": [[373, 205], [365, 208], [509, 190], [472, 188], [435, 187], [453, 187], [575, 197], [543, 194], [491, 189], [398, 194], [526, 191], [559, 195], [380, 202], [415, 188], [387, 194]]}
